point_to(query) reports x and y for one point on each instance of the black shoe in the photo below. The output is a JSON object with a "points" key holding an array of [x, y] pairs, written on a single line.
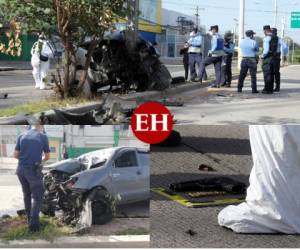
{"points": [[227, 86], [255, 92], [277, 90], [239, 90], [224, 84], [267, 92]]}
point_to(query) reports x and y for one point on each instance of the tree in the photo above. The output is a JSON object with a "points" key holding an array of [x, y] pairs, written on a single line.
{"points": [[73, 21]]}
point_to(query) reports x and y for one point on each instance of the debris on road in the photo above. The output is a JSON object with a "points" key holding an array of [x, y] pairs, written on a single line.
{"points": [[204, 167], [226, 184]]}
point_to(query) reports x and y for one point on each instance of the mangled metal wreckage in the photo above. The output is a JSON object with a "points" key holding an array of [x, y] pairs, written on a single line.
{"points": [[87, 189]]}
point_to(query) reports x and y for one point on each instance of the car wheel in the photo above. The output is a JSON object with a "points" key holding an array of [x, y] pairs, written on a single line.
{"points": [[103, 207]]}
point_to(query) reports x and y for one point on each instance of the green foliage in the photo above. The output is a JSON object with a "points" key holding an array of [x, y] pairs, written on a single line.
{"points": [[80, 18], [18, 230]]}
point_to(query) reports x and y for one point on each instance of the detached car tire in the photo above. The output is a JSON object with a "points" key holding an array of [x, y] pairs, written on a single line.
{"points": [[103, 206]]}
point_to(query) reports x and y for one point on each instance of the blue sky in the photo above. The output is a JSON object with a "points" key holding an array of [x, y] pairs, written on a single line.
{"points": [[258, 13]]}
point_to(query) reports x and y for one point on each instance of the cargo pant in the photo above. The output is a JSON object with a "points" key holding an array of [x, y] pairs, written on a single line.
{"points": [[217, 62], [268, 71], [31, 179], [195, 58]]}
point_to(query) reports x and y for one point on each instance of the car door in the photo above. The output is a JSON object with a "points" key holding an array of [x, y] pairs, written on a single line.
{"points": [[126, 173], [144, 177]]}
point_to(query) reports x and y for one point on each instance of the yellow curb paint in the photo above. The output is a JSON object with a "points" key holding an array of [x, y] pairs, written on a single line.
{"points": [[183, 201]]}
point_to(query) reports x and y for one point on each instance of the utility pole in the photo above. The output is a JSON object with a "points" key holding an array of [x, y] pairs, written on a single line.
{"points": [[241, 29], [197, 17], [276, 13], [136, 18]]}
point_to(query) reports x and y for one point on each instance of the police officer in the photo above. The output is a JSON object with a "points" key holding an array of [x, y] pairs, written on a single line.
{"points": [[226, 69], [272, 46], [184, 52], [282, 48], [249, 49], [29, 150], [195, 53], [215, 55]]}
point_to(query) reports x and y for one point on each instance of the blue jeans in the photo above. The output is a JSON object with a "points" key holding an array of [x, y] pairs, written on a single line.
{"points": [[251, 65], [195, 58], [31, 179]]}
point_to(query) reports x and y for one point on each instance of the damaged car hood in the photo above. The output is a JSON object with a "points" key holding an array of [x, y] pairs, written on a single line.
{"points": [[70, 166]]}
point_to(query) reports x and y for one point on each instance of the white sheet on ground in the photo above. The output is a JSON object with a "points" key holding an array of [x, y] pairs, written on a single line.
{"points": [[11, 200], [273, 197]]}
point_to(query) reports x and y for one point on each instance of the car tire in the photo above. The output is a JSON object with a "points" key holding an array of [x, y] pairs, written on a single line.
{"points": [[103, 206]]}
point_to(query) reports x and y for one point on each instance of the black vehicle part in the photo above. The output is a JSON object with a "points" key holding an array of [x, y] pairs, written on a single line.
{"points": [[173, 140], [76, 119], [103, 206], [226, 184], [161, 77]]}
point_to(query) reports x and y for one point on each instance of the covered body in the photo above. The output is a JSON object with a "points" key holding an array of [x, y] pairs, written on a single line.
{"points": [[273, 202]]}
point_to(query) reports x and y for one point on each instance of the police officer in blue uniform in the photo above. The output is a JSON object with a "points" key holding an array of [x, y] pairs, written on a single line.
{"points": [[215, 55], [273, 46], [195, 53], [277, 59], [249, 49], [29, 150], [185, 60], [227, 67]]}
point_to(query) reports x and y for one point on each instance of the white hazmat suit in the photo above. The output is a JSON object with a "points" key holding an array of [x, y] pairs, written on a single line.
{"points": [[41, 68], [273, 200]]}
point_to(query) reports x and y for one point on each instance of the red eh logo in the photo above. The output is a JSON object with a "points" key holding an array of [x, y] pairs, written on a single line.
{"points": [[152, 122]]}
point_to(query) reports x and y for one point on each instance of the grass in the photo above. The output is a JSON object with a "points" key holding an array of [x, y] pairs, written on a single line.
{"points": [[133, 231], [42, 105], [16, 228]]}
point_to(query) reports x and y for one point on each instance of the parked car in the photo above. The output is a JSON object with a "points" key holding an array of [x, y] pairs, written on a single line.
{"points": [[102, 178]]}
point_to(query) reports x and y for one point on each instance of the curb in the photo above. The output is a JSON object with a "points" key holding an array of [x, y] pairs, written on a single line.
{"points": [[124, 241], [13, 69], [138, 97]]}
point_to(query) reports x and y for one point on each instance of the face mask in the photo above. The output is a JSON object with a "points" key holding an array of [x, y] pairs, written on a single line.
{"points": [[210, 33], [192, 33]]}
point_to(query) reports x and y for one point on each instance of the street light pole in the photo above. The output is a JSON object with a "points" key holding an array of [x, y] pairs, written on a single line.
{"points": [[241, 29], [276, 13]]}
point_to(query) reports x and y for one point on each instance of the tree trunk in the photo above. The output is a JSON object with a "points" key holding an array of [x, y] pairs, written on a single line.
{"points": [[84, 73]]}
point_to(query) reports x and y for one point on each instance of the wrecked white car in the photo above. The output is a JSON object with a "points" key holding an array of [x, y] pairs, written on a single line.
{"points": [[87, 189]]}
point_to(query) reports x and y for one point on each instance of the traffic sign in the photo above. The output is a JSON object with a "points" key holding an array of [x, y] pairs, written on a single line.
{"points": [[295, 20]]}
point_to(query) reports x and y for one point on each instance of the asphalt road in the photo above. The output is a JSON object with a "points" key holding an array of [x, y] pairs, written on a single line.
{"points": [[19, 85], [223, 106], [227, 150]]}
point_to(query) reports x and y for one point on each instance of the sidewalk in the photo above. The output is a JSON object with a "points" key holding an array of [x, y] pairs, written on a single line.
{"points": [[123, 241]]}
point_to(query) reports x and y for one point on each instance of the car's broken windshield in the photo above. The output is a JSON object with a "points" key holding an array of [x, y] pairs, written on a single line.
{"points": [[92, 161]]}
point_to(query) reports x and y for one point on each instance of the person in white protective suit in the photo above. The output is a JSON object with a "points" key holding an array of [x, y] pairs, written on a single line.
{"points": [[273, 201], [41, 53]]}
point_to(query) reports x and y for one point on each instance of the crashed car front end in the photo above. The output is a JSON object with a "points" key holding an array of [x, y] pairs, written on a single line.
{"points": [[67, 190]]}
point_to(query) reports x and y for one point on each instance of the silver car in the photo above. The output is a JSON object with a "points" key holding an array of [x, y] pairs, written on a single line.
{"points": [[103, 179]]}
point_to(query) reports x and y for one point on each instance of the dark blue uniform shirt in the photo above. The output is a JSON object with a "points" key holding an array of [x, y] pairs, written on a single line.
{"points": [[31, 145]]}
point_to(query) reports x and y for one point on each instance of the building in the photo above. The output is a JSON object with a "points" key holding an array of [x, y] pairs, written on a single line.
{"points": [[68, 141]]}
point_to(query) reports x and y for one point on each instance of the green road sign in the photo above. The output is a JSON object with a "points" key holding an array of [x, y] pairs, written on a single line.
{"points": [[295, 20]]}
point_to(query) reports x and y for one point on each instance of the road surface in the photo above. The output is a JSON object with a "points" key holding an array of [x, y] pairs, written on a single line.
{"points": [[227, 150], [226, 106]]}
